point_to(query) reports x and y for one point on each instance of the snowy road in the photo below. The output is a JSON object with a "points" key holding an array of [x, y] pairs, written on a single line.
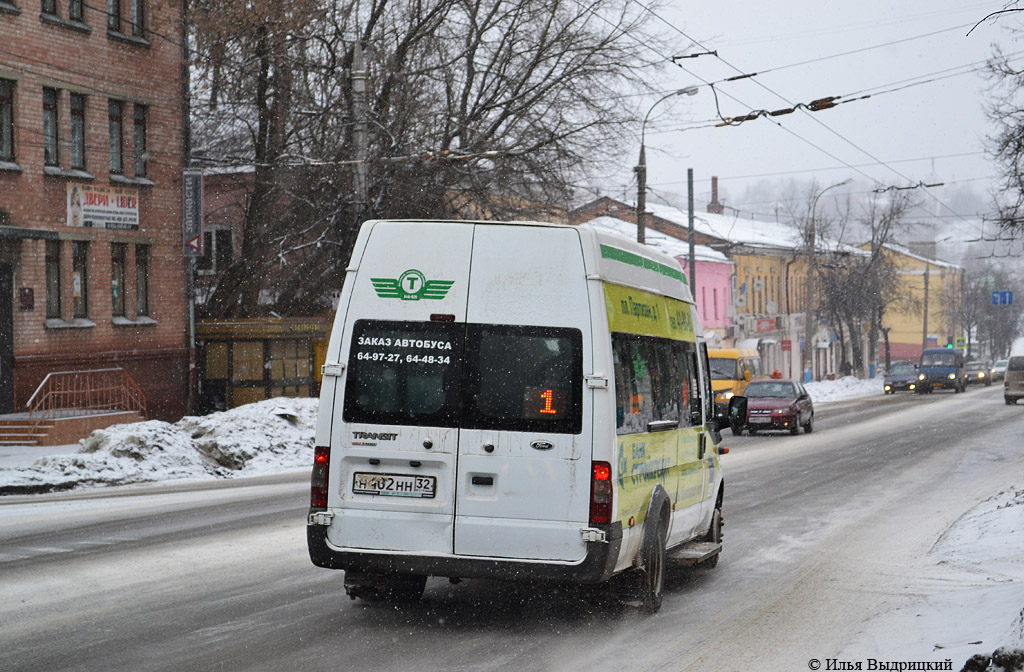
{"points": [[827, 536]]}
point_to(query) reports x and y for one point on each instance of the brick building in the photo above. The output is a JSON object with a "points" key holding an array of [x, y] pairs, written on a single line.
{"points": [[91, 157]]}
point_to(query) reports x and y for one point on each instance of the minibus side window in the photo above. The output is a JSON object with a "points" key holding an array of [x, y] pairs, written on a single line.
{"points": [[691, 382], [655, 380], [707, 392]]}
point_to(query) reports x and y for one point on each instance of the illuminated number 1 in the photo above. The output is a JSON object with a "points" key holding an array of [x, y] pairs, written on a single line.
{"points": [[547, 396]]}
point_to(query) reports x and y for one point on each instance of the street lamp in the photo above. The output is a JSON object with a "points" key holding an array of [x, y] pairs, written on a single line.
{"points": [[809, 315], [641, 168]]}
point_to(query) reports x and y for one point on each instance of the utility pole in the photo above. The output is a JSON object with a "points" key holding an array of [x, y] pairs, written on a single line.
{"points": [[924, 327], [359, 142], [693, 256], [641, 196]]}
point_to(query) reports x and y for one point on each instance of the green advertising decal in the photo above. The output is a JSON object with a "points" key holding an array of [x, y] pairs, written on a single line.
{"points": [[411, 286]]}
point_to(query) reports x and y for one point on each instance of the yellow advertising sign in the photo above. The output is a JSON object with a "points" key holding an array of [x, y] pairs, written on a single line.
{"points": [[669, 458], [634, 311]]}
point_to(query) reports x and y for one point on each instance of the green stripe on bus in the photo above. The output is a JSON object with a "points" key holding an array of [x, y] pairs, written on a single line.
{"points": [[626, 257]]}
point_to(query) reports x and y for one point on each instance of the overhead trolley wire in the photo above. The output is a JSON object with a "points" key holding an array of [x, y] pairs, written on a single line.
{"points": [[802, 108]]}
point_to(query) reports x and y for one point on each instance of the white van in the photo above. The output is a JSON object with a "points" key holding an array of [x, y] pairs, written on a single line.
{"points": [[512, 400], [1013, 379]]}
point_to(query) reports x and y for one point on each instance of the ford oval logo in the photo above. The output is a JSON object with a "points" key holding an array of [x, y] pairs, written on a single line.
{"points": [[542, 445]]}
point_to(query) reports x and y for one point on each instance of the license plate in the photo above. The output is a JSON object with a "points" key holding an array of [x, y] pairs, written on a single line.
{"points": [[756, 419], [394, 485]]}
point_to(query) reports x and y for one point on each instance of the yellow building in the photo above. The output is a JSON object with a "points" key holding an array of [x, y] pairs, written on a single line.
{"points": [[921, 317]]}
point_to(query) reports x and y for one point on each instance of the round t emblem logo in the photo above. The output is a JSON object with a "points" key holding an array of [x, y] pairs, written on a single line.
{"points": [[411, 281]]}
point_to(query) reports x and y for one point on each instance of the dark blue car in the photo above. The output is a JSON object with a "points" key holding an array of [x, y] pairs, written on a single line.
{"points": [[902, 376]]}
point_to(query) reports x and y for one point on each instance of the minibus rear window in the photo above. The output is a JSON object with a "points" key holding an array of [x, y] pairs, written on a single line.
{"points": [[404, 373], [1015, 364], [523, 379], [448, 374]]}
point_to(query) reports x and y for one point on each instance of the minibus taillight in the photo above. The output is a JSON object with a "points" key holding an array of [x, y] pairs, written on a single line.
{"points": [[601, 494], [441, 317], [318, 481]]}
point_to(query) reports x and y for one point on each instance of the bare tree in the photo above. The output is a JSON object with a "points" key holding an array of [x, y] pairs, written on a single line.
{"points": [[859, 284], [972, 307], [1005, 108], [473, 108]]}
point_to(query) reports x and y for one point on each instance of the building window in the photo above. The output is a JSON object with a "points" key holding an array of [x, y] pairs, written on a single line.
{"points": [[116, 137], [50, 7], [53, 283], [114, 15], [50, 155], [75, 10], [118, 257], [80, 277], [142, 280], [6, 120], [77, 131], [139, 115], [137, 18], [217, 251]]}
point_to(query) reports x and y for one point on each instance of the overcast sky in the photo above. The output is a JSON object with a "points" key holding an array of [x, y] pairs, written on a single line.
{"points": [[924, 121]]}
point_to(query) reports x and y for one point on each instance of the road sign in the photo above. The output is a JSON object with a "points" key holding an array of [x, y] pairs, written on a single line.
{"points": [[192, 221], [961, 342], [1002, 298]]}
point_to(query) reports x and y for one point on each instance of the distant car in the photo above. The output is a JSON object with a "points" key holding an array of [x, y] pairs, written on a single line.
{"points": [[999, 369], [902, 376], [941, 369], [979, 371], [773, 404]]}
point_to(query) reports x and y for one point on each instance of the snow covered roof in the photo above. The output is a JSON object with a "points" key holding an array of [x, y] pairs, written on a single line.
{"points": [[666, 244], [735, 229], [906, 252]]}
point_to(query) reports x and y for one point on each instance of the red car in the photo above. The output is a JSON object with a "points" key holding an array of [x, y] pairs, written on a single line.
{"points": [[775, 404]]}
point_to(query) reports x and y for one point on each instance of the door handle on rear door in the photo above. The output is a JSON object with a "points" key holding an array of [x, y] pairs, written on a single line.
{"points": [[483, 480]]}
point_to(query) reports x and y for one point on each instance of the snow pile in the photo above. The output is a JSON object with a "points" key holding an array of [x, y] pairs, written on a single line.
{"points": [[844, 388], [985, 545], [265, 437], [981, 551]]}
